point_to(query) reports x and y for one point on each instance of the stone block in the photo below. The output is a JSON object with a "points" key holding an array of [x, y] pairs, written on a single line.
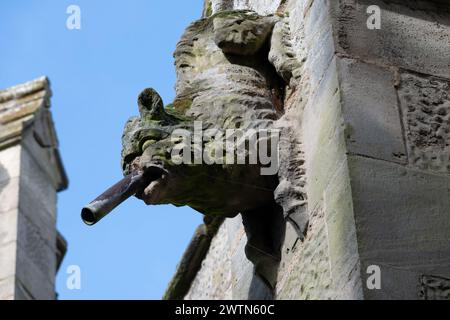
{"points": [[8, 226], [317, 20], [290, 245], [7, 288], [37, 212], [319, 59], [213, 281], [409, 38], [21, 293], [241, 271], [38, 244], [9, 195], [296, 26], [8, 260], [262, 7], [235, 231], [414, 285], [434, 288], [10, 163], [37, 183], [370, 111], [342, 241], [425, 104], [39, 283], [308, 274], [402, 218], [396, 283], [310, 24], [323, 135]]}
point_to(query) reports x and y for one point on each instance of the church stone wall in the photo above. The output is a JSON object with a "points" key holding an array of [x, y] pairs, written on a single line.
{"points": [[372, 112]]}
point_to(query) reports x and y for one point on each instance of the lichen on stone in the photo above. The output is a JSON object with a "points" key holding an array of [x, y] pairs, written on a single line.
{"points": [[232, 71]]}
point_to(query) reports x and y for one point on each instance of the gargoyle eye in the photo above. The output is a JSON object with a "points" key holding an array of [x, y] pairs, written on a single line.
{"points": [[128, 159]]}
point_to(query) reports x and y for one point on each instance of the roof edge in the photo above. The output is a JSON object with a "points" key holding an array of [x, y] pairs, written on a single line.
{"points": [[26, 88]]}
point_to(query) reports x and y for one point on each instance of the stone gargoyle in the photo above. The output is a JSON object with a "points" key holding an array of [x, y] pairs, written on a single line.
{"points": [[232, 72]]}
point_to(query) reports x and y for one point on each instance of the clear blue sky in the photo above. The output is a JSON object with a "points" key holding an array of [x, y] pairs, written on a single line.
{"points": [[96, 74]]}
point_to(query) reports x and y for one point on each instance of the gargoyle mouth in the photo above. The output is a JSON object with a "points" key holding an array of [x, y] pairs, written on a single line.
{"points": [[153, 192]]}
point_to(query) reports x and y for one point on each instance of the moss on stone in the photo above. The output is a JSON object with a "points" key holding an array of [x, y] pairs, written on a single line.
{"points": [[208, 11], [181, 105], [198, 26]]}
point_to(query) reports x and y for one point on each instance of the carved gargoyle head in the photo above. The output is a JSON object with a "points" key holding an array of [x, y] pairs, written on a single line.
{"points": [[232, 72], [213, 189]]}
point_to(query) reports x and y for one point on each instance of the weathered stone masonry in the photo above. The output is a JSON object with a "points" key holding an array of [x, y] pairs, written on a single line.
{"points": [[370, 110], [31, 173]]}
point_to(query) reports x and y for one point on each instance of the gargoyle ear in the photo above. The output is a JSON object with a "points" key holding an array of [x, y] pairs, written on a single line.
{"points": [[151, 105]]}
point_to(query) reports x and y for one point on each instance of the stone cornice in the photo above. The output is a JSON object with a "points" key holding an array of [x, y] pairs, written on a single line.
{"points": [[27, 107]]}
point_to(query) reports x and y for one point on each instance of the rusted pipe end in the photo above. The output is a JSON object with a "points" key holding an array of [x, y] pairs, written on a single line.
{"points": [[118, 193]]}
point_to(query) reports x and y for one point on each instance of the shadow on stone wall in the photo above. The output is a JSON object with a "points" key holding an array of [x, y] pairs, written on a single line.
{"points": [[259, 290], [265, 229]]}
